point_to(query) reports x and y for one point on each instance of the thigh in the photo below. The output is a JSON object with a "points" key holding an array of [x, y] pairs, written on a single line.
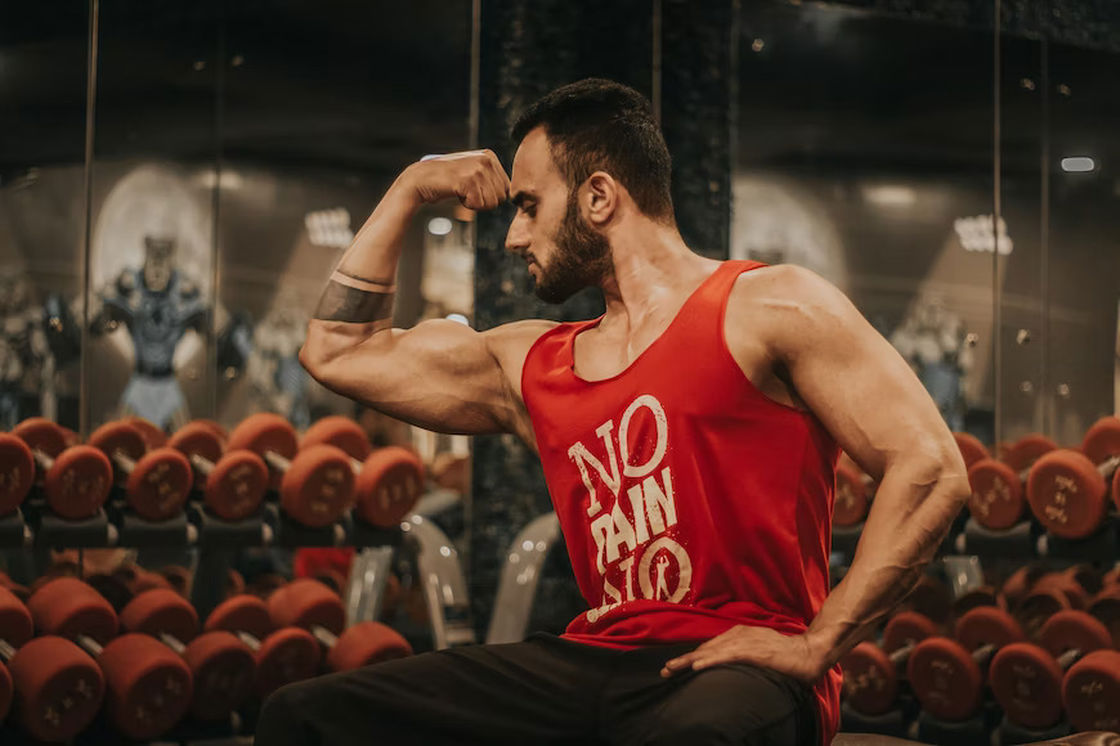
{"points": [[528, 692], [731, 704]]}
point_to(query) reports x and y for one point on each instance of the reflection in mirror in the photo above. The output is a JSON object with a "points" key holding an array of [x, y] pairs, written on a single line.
{"points": [[42, 116], [151, 244], [864, 154]]}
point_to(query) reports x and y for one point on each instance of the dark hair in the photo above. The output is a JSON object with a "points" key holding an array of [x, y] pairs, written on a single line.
{"points": [[596, 124]]}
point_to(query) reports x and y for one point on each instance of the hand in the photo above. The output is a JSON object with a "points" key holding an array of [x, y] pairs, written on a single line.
{"points": [[475, 177], [792, 655]]}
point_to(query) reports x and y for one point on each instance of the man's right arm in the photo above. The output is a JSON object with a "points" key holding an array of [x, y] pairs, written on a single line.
{"points": [[440, 374]]}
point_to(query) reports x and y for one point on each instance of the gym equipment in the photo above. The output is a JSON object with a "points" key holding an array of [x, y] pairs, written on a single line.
{"points": [[76, 479], [157, 482], [232, 484], [1068, 490], [872, 672]]}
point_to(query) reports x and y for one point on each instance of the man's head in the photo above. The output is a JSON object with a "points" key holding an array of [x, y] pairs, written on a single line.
{"points": [[589, 153], [159, 254]]}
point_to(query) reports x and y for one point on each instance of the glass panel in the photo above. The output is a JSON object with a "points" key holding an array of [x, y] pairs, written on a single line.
{"points": [[865, 154], [43, 51], [152, 248]]}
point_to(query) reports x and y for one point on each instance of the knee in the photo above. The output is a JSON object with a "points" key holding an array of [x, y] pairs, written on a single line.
{"points": [[279, 720]]}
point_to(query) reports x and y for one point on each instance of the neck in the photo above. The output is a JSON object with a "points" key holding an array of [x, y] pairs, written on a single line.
{"points": [[651, 266]]}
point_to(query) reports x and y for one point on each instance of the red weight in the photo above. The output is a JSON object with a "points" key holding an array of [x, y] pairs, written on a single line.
{"points": [[340, 432], [242, 613], [39, 433], [7, 691], [179, 577], [987, 625], [235, 488], [1102, 440], [119, 436], [851, 502], [16, 626], [1073, 630], [78, 483], [972, 450], [870, 679], [287, 655], [59, 688], [1025, 451], [154, 436], [1065, 583], [1027, 683], [318, 488], [974, 598], [160, 484], [216, 427], [160, 611], [366, 643], [1091, 692], [391, 480], [1019, 583], [1067, 494], [1105, 608], [306, 603], [945, 678], [148, 687], [197, 438], [67, 607], [17, 472], [905, 628], [264, 432], [997, 494], [223, 671]]}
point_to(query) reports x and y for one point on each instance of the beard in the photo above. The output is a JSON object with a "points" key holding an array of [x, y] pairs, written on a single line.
{"points": [[582, 258]]}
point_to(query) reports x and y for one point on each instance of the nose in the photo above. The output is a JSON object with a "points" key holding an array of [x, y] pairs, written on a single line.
{"points": [[517, 239]]}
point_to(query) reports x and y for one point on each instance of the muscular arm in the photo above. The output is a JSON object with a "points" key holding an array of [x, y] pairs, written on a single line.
{"points": [[440, 374], [871, 402]]}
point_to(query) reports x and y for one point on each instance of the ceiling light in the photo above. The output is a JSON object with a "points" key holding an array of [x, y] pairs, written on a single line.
{"points": [[1078, 165]]}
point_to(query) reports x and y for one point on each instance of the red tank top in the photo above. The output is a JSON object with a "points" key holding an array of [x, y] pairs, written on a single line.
{"points": [[689, 501]]}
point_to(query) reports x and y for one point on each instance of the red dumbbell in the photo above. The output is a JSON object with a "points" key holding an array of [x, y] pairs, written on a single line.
{"points": [[76, 478], [232, 483], [157, 482], [17, 472], [221, 668], [1050, 594], [871, 671], [316, 485], [282, 657], [1068, 490], [972, 450], [1026, 678], [1091, 692], [997, 500], [387, 481], [147, 686], [311, 605], [56, 687], [1105, 608], [154, 436], [947, 676]]}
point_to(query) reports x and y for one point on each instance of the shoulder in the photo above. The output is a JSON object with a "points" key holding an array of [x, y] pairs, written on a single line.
{"points": [[785, 305], [510, 343]]}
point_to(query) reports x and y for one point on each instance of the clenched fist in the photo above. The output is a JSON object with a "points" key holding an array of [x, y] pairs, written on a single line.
{"points": [[475, 177]]}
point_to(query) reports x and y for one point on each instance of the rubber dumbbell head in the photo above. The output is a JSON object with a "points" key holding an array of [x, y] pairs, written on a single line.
{"points": [[154, 436], [1091, 692], [222, 669], [282, 657], [17, 472], [871, 672], [76, 479], [156, 482], [948, 675], [232, 483], [1027, 678], [1022, 454], [316, 484], [972, 450]]}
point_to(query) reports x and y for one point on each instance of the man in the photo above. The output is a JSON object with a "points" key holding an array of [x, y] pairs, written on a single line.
{"points": [[688, 437]]}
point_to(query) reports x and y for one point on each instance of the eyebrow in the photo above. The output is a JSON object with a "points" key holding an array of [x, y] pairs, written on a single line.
{"points": [[522, 197]]}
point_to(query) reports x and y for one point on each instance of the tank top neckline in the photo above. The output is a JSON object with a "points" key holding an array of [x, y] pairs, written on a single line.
{"points": [[580, 327]]}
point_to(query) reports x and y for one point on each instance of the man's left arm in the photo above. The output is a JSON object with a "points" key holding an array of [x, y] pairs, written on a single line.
{"points": [[868, 398]]}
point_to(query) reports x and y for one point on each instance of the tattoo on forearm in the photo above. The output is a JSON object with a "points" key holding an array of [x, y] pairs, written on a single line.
{"points": [[356, 300]]}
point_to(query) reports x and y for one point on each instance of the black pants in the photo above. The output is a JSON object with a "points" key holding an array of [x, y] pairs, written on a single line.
{"points": [[542, 691]]}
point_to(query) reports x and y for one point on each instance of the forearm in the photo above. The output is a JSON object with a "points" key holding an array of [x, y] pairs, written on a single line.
{"points": [[913, 510]]}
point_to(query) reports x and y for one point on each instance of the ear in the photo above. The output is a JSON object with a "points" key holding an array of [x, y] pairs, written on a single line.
{"points": [[601, 198]]}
